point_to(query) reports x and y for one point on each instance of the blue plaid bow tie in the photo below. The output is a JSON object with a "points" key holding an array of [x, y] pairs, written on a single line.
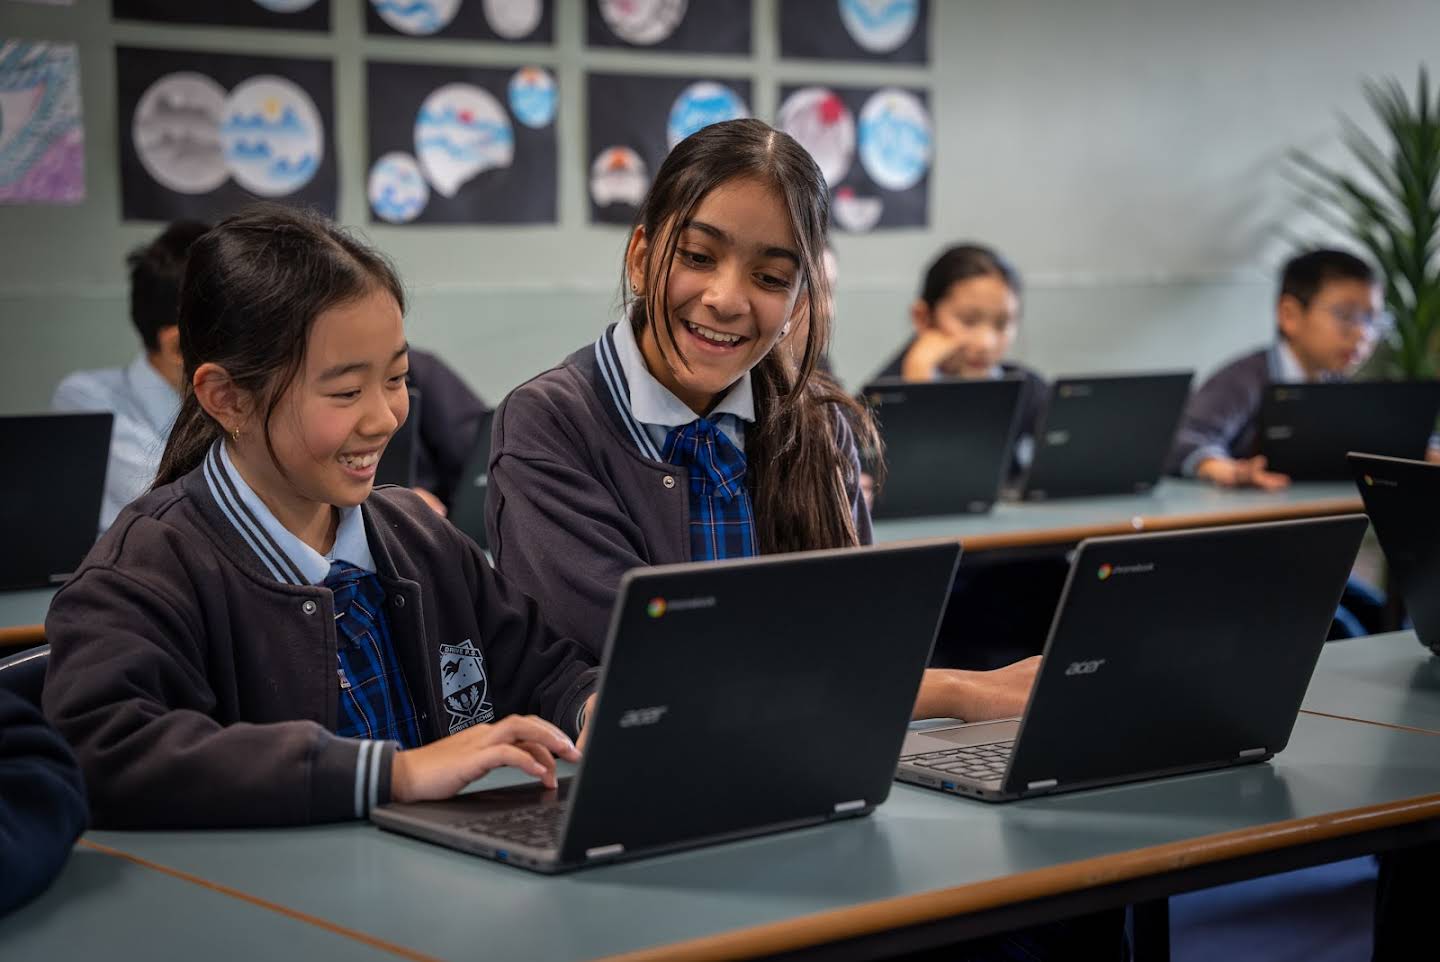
{"points": [[701, 446]]}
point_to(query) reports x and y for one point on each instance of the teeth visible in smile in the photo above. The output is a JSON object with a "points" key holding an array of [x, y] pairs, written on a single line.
{"points": [[359, 463], [710, 335]]}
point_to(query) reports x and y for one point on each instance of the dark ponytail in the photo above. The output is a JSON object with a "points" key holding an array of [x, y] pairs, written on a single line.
{"points": [[798, 473], [253, 286]]}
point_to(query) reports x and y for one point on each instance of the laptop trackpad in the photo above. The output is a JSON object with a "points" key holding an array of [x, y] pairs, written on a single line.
{"points": [[976, 733]]}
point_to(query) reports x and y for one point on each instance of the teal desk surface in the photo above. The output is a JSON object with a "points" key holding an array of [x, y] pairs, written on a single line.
{"points": [[1391, 679], [25, 607], [921, 856], [1174, 503]]}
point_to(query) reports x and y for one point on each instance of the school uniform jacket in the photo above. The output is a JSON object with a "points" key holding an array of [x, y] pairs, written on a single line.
{"points": [[199, 690], [1222, 418], [574, 500]]}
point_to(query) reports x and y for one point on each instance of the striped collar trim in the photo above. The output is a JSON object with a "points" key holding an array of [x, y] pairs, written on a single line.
{"points": [[613, 375]]}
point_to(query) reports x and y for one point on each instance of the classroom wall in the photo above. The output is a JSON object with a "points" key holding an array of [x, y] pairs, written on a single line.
{"points": [[1126, 153]]}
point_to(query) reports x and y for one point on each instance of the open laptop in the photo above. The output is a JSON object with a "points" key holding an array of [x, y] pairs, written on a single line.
{"points": [[947, 444], [1106, 435], [1307, 429], [467, 503], [52, 485], [397, 463], [1171, 652], [736, 698], [1403, 501]]}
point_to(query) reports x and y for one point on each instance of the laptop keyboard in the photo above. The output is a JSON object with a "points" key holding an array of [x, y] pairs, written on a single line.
{"points": [[982, 763], [538, 827]]}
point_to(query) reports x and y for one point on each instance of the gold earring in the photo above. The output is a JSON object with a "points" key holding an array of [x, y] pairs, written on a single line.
{"points": [[235, 435], [634, 288]]}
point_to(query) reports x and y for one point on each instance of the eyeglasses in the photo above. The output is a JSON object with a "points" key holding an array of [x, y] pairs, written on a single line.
{"points": [[1371, 322]]}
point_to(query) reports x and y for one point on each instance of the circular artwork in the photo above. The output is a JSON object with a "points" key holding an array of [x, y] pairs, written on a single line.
{"points": [[533, 98], [895, 140], [397, 190], [418, 17], [642, 22], [855, 213], [824, 126], [461, 131], [513, 19], [272, 134], [700, 105], [618, 176], [879, 26], [286, 6], [176, 132]]}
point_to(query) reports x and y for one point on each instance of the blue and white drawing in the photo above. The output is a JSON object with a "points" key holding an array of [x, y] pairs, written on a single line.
{"points": [[176, 132], [418, 17], [879, 26], [513, 19], [700, 105], [896, 143], [642, 22], [461, 132], [533, 97], [272, 135], [286, 6], [397, 189]]}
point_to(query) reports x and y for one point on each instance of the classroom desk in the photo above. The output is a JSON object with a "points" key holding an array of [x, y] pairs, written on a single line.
{"points": [[1175, 503], [925, 869], [1389, 679], [22, 617]]}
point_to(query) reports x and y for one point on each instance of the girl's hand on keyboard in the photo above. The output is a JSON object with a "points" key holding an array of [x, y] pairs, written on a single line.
{"points": [[441, 769]]}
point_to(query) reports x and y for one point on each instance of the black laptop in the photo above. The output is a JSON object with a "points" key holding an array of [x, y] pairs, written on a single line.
{"points": [[1172, 652], [397, 463], [52, 485], [1106, 435], [1403, 501], [737, 698], [467, 503], [1307, 429], [947, 444]]}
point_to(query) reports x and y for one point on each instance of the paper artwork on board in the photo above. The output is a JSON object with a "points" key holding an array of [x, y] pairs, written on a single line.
{"points": [[42, 139]]}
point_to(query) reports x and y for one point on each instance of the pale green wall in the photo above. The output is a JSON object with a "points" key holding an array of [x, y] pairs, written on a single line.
{"points": [[1124, 152]]}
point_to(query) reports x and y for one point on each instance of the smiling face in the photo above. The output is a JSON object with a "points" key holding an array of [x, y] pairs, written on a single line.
{"points": [[734, 288], [334, 420]]}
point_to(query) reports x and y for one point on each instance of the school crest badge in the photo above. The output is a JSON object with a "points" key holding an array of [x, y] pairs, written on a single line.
{"points": [[465, 687]]}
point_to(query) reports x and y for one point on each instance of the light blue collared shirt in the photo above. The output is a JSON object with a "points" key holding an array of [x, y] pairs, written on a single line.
{"points": [[144, 405], [285, 556], [658, 410]]}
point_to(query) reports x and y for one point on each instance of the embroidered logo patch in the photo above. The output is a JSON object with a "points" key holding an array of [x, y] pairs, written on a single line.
{"points": [[466, 690]]}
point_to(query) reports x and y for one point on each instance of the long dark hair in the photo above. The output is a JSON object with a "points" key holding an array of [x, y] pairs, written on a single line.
{"points": [[962, 262], [253, 287], [797, 471]]}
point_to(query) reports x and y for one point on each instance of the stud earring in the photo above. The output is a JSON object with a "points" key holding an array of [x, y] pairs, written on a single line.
{"points": [[235, 435]]}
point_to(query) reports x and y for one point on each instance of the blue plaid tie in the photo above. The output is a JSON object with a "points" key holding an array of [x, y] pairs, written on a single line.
{"points": [[374, 699], [722, 523]]}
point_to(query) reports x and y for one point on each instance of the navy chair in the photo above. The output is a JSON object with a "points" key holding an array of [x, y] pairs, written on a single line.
{"points": [[24, 673]]}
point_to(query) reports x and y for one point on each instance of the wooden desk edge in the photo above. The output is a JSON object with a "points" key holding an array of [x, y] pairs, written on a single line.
{"points": [[22, 636], [1210, 519], [908, 910]]}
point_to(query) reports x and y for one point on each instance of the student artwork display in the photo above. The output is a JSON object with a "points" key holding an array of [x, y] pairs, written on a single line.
{"points": [[702, 26], [284, 14], [42, 142], [462, 145], [201, 134], [635, 120], [528, 21], [875, 147], [891, 30]]}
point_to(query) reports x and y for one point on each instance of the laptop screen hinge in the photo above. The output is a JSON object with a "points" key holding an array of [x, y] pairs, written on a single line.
{"points": [[604, 851], [852, 806], [1252, 752], [1041, 785]]}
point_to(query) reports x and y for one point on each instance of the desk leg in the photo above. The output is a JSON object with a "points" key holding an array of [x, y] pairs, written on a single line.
{"points": [[1151, 930]]}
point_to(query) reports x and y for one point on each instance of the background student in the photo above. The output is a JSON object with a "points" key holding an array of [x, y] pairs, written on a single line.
{"points": [[966, 319], [450, 419], [42, 802], [263, 639], [145, 395]]}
